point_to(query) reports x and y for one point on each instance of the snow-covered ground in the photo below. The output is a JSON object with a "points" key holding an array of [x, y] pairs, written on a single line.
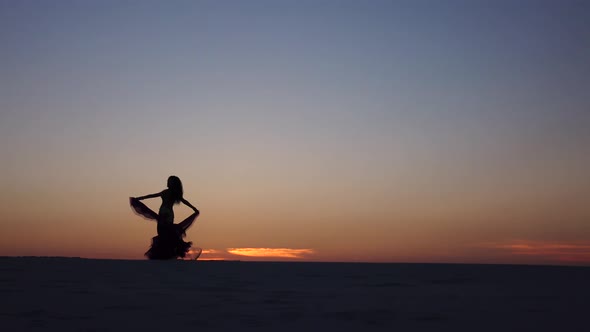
{"points": [[69, 294]]}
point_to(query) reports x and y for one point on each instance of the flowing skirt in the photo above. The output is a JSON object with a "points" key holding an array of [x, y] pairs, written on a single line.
{"points": [[169, 243]]}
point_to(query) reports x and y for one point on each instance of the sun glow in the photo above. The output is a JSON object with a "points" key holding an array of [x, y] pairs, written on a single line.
{"points": [[271, 252]]}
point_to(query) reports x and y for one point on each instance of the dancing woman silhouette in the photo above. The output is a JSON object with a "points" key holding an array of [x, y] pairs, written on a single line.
{"points": [[169, 243]]}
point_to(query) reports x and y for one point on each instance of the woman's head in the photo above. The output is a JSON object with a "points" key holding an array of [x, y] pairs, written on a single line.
{"points": [[175, 187]]}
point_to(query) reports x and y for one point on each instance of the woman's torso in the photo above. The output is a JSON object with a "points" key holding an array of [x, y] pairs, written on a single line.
{"points": [[166, 210]]}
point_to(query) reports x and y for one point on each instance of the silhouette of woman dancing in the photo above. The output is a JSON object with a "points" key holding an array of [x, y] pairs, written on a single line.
{"points": [[169, 243]]}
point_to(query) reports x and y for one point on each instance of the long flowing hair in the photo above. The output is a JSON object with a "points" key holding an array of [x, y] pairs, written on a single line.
{"points": [[175, 187]]}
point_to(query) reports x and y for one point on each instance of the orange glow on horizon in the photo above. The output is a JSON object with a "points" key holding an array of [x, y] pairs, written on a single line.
{"points": [[561, 252], [211, 254], [209, 251], [271, 252]]}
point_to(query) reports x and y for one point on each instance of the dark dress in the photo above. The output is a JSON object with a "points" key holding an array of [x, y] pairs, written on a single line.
{"points": [[169, 243]]}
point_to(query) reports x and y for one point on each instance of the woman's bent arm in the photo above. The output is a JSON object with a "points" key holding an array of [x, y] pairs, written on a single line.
{"points": [[189, 205]]}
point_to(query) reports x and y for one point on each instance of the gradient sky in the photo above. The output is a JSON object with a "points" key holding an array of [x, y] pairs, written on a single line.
{"points": [[390, 131]]}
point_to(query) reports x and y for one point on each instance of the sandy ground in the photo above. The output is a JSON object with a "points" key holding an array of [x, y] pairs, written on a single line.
{"points": [[69, 294]]}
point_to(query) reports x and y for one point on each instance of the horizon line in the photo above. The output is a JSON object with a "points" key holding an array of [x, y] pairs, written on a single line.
{"points": [[303, 261]]}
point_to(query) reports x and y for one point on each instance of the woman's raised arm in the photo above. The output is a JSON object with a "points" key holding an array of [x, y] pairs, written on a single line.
{"points": [[149, 196]]}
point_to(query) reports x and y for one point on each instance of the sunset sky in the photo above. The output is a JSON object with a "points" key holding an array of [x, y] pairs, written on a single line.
{"points": [[373, 131]]}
